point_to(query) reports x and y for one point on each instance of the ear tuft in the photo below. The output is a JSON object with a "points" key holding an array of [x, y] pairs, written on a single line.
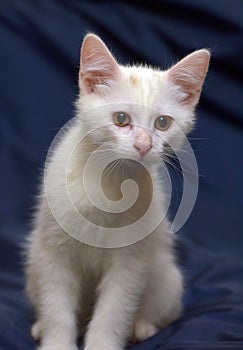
{"points": [[189, 74], [98, 68]]}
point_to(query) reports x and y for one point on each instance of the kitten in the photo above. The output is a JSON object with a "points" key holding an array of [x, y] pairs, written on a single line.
{"points": [[134, 288]]}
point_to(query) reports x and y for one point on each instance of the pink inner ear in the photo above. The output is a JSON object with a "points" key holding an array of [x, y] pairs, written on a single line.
{"points": [[91, 83], [98, 67], [189, 75]]}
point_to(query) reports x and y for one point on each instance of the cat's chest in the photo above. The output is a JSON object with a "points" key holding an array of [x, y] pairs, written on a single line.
{"points": [[113, 214], [92, 259]]}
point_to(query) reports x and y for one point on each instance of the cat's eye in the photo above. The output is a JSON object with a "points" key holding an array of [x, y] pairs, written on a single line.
{"points": [[121, 119], [163, 122]]}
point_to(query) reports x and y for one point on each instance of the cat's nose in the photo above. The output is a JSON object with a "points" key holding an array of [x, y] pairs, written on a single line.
{"points": [[143, 142], [142, 149]]}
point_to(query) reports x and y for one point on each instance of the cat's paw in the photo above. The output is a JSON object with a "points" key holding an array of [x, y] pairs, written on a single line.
{"points": [[101, 347], [55, 345], [143, 329], [36, 331], [61, 346], [100, 344]]}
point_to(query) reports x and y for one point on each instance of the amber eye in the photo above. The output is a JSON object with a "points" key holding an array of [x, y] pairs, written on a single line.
{"points": [[121, 119], [163, 122]]}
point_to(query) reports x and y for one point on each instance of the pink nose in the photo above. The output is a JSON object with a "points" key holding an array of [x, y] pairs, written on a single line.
{"points": [[143, 142], [142, 149]]}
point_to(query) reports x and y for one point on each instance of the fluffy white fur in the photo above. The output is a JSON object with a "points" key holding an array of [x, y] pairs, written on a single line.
{"points": [[125, 292]]}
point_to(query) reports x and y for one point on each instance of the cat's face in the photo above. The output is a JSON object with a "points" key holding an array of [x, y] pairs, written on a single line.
{"points": [[138, 110]]}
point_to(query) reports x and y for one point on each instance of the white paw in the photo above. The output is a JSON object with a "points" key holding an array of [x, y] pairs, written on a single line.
{"points": [[101, 344], [36, 331], [36, 334], [101, 347], [58, 347], [143, 329]]}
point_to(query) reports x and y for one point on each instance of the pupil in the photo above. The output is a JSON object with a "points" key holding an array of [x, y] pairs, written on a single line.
{"points": [[162, 122], [121, 118]]}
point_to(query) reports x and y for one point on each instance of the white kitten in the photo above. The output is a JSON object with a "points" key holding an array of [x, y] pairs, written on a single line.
{"points": [[128, 290]]}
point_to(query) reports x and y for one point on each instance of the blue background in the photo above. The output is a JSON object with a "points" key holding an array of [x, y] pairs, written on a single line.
{"points": [[39, 60]]}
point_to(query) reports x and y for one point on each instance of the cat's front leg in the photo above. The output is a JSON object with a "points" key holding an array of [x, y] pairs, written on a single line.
{"points": [[119, 294], [58, 299], [162, 299]]}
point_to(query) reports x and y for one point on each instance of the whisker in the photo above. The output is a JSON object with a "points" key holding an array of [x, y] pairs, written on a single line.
{"points": [[182, 161]]}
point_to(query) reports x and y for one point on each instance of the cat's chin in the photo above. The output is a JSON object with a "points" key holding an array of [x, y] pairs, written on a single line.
{"points": [[138, 162]]}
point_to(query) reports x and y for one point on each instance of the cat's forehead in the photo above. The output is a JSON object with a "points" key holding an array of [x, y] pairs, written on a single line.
{"points": [[143, 85], [137, 75]]}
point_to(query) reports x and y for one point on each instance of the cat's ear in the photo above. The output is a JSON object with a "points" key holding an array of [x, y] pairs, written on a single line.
{"points": [[98, 68], [189, 74]]}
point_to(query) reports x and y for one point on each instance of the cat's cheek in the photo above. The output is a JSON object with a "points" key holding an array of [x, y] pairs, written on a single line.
{"points": [[123, 131]]}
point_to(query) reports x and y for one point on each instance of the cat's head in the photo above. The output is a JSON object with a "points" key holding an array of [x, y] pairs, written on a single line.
{"points": [[139, 109]]}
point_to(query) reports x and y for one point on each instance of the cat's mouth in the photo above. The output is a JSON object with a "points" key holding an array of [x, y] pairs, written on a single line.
{"points": [[138, 162], [125, 167]]}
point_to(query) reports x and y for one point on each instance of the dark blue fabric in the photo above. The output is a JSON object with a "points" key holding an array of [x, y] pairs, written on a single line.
{"points": [[39, 59]]}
